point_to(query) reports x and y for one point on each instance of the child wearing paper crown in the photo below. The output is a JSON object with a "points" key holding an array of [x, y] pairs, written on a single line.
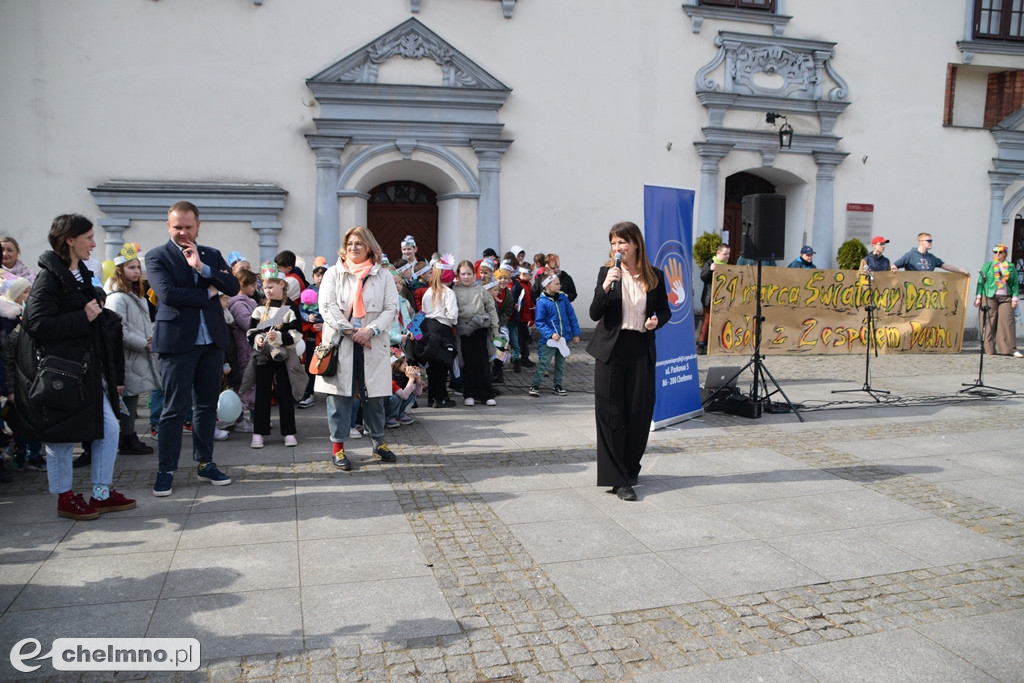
{"points": [[273, 326], [141, 366], [555, 321]]}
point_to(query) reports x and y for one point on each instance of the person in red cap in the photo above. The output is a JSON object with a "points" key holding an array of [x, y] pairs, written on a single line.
{"points": [[875, 261]]}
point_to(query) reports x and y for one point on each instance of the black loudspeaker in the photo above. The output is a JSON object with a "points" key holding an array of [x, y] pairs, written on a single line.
{"points": [[764, 227]]}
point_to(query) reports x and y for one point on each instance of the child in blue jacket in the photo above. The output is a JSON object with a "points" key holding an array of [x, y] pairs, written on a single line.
{"points": [[556, 321]]}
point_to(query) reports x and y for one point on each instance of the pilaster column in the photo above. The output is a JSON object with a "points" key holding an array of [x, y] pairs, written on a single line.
{"points": [[326, 229], [824, 207], [998, 182], [113, 238], [711, 153], [488, 216], [268, 230]]}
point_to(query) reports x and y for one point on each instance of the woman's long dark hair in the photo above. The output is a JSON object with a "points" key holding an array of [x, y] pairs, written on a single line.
{"points": [[631, 233], [64, 226]]}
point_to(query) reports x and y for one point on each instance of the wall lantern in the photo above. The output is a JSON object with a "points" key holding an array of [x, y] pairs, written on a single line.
{"points": [[785, 130]]}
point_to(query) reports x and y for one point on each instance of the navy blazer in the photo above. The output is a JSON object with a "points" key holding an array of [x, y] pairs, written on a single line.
{"points": [[180, 297], [606, 309]]}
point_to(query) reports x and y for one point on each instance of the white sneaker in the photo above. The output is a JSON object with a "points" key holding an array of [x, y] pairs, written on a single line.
{"points": [[491, 402], [257, 441], [1017, 354], [244, 425], [220, 434], [469, 402], [354, 433], [291, 441]]}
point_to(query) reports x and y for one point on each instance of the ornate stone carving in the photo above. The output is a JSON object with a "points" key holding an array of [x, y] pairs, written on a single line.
{"points": [[796, 69]]}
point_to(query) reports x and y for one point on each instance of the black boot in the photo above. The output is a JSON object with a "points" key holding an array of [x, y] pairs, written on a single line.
{"points": [[126, 446], [497, 373], [143, 448], [5, 474]]}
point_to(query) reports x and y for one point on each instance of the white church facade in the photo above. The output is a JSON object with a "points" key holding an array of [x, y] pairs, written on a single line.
{"points": [[488, 123]]}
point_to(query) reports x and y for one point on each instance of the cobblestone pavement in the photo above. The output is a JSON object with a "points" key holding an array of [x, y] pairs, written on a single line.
{"points": [[514, 622]]}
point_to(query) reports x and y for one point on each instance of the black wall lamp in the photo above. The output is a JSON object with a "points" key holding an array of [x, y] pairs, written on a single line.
{"points": [[785, 130]]}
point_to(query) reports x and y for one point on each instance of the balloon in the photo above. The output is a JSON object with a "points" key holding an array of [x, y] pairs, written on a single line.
{"points": [[108, 269], [229, 406]]}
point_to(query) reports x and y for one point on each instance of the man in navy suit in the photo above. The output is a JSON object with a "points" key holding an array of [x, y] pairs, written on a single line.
{"points": [[190, 335]]}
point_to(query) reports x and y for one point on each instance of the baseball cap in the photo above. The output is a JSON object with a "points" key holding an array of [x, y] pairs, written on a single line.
{"points": [[878, 239], [806, 250]]}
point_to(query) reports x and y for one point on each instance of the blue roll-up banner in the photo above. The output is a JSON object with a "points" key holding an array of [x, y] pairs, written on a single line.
{"points": [[668, 231]]}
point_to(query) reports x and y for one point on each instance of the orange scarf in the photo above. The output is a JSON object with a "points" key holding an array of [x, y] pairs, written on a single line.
{"points": [[361, 271]]}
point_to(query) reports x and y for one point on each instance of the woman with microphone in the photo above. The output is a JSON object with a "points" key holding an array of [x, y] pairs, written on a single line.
{"points": [[630, 303]]}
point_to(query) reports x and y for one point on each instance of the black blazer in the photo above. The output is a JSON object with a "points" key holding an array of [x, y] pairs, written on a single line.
{"points": [[180, 297], [606, 309]]}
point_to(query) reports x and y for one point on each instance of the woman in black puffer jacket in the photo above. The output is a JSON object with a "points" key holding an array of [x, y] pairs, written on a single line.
{"points": [[64, 320]]}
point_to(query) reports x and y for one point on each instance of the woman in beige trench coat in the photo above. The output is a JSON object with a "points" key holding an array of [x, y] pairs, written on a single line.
{"points": [[359, 302]]}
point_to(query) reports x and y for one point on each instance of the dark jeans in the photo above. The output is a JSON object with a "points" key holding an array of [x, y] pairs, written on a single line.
{"points": [[188, 379]]}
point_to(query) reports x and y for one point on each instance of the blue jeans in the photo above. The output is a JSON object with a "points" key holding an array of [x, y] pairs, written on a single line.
{"points": [[397, 407], [189, 379], [544, 357], [104, 451], [339, 408]]}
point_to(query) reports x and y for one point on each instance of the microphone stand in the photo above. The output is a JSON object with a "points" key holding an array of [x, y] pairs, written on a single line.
{"points": [[983, 315], [872, 344], [757, 361]]}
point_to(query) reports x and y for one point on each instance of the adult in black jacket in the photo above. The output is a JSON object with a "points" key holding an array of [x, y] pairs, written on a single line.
{"points": [[64, 320], [630, 303]]}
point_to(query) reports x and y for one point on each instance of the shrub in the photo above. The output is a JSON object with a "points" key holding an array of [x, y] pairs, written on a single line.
{"points": [[850, 254], [706, 246]]}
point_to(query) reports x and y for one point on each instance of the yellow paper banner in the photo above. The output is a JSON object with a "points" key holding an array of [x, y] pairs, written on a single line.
{"points": [[825, 311]]}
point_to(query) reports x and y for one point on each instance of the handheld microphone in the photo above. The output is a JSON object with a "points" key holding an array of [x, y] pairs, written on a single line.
{"points": [[618, 263]]}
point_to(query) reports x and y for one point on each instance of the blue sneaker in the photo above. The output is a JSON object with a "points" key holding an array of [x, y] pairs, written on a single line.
{"points": [[162, 487], [207, 471]]}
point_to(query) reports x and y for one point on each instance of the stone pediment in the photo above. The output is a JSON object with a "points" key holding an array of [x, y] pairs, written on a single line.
{"points": [[409, 40]]}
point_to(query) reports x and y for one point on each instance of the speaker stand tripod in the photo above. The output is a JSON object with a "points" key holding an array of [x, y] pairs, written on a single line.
{"points": [[759, 393], [871, 345], [979, 383]]}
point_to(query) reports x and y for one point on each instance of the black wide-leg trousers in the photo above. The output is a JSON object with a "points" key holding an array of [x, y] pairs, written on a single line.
{"points": [[623, 406]]}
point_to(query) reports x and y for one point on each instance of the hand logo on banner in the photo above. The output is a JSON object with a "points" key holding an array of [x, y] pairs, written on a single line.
{"points": [[676, 287]]}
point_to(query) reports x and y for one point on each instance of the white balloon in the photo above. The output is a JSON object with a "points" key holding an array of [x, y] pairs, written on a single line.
{"points": [[229, 406]]}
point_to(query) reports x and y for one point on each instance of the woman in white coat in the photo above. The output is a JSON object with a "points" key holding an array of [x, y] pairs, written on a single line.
{"points": [[359, 302], [141, 367]]}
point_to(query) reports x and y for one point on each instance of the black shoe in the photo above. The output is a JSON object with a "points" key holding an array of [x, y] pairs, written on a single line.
{"points": [[446, 403], [5, 474], [126, 446], [517, 367], [527, 363], [145, 448], [626, 493], [384, 453]]}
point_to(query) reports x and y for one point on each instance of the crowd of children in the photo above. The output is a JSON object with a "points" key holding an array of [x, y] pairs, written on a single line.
{"points": [[458, 327]]}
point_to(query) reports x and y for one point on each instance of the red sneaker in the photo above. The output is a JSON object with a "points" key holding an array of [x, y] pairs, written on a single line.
{"points": [[115, 503], [71, 505]]}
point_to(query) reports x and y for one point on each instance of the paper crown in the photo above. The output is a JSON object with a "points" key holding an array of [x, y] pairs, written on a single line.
{"points": [[488, 263], [269, 271], [234, 257], [549, 279], [408, 241], [129, 252], [319, 261]]}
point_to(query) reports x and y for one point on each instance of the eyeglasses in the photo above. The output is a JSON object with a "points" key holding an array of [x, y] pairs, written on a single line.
{"points": [[928, 240]]}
